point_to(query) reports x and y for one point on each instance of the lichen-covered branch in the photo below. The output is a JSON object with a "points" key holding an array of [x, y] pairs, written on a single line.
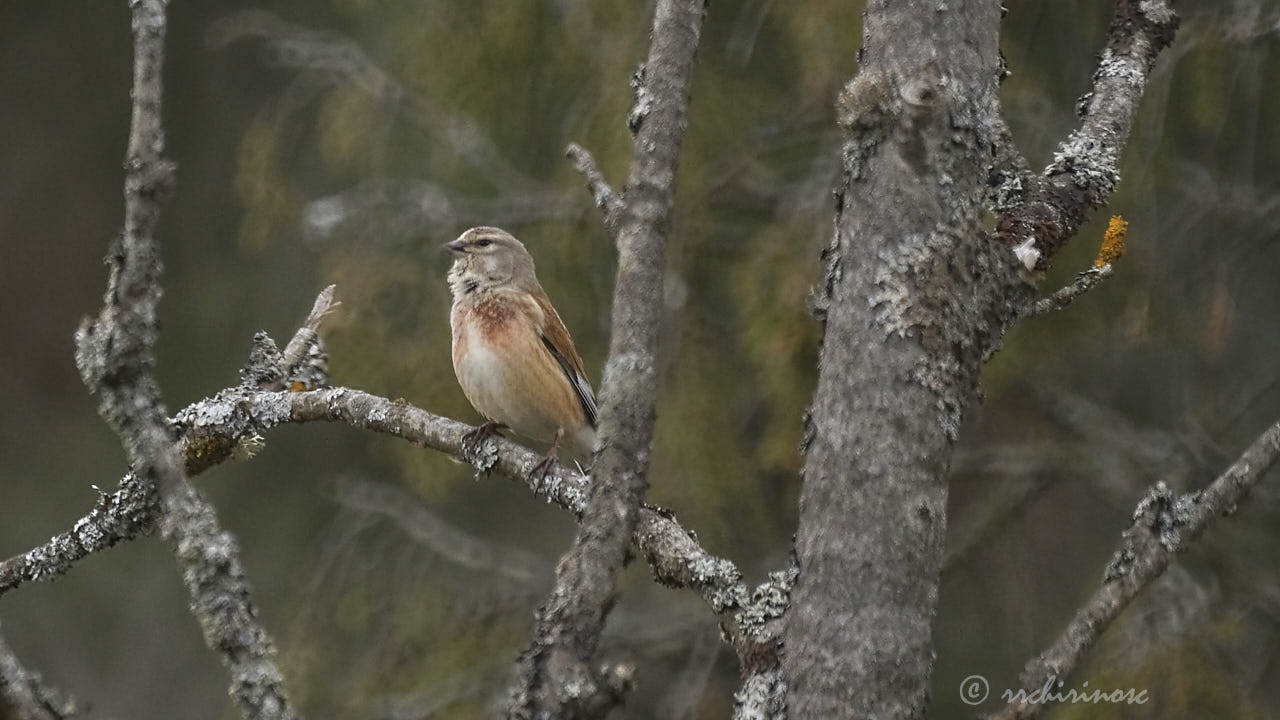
{"points": [[130, 511], [217, 429], [556, 676], [1043, 215], [304, 363], [115, 356], [1163, 526], [118, 516], [762, 694], [1112, 249], [1083, 283], [674, 556]]}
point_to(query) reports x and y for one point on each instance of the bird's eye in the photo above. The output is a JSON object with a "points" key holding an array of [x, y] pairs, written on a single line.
{"points": [[484, 242]]}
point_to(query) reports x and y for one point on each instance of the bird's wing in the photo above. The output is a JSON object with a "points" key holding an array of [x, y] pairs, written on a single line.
{"points": [[555, 337]]}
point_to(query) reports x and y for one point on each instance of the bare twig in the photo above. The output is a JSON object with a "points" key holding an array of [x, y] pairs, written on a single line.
{"points": [[1163, 526], [556, 670], [307, 339], [115, 357], [1112, 249], [1085, 168], [603, 195], [443, 538], [1083, 283]]}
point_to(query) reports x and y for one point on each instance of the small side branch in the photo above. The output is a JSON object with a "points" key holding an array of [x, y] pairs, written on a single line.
{"points": [[1038, 220], [1083, 283], [1163, 526], [303, 362], [603, 195], [1112, 249]]}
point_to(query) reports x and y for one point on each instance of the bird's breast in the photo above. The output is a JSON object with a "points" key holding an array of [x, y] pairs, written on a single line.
{"points": [[507, 373], [492, 348], [484, 332]]}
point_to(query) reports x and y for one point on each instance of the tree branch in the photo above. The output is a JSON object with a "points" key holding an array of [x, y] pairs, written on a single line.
{"points": [[1085, 168], [1163, 526], [115, 357], [762, 694], [603, 195], [556, 677], [130, 511], [1083, 283], [303, 361], [122, 515], [214, 430]]}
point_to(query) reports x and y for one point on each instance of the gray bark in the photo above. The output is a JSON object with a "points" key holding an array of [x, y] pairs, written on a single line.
{"points": [[917, 296], [916, 293], [115, 355], [556, 674]]}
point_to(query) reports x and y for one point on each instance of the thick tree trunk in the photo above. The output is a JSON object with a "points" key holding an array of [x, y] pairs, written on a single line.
{"points": [[912, 283]]}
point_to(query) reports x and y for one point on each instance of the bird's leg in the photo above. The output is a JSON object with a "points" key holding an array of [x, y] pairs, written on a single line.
{"points": [[473, 442], [539, 471]]}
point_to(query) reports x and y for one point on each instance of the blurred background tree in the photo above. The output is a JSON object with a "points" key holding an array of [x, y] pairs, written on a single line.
{"points": [[344, 142]]}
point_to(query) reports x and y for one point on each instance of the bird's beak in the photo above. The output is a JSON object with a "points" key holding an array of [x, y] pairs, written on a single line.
{"points": [[455, 246]]}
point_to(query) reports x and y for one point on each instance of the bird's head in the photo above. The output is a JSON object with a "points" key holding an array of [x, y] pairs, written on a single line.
{"points": [[486, 258]]}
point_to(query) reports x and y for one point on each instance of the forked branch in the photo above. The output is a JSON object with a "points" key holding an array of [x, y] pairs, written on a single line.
{"points": [[1163, 526]]}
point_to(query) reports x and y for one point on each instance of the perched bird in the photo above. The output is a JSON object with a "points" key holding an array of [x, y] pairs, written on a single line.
{"points": [[512, 354]]}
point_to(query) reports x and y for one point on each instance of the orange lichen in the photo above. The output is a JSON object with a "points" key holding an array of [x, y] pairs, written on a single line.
{"points": [[1113, 242]]}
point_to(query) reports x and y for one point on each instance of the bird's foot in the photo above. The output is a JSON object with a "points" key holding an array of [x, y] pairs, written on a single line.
{"points": [[475, 448], [539, 472]]}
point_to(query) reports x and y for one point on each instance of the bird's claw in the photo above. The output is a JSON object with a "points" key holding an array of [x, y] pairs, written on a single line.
{"points": [[539, 472], [476, 449]]}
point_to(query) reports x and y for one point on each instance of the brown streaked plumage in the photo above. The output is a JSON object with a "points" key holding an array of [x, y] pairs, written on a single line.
{"points": [[512, 354]]}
